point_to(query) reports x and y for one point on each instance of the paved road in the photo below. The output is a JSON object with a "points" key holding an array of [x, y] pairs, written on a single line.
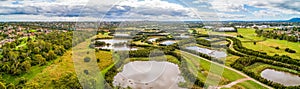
{"points": [[232, 70]]}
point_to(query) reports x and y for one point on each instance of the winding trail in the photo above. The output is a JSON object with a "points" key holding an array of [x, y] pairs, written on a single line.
{"points": [[234, 83]]}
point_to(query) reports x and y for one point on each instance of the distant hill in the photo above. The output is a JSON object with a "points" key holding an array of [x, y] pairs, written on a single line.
{"points": [[294, 20]]}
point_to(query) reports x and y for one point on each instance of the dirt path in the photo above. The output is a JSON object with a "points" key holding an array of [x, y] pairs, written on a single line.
{"points": [[234, 83]]}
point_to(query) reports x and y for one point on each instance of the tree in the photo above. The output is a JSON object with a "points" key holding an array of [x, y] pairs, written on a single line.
{"points": [[87, 59], [13, 56], [26, 65], [6, 67], [68, 81], [2, 85], [40, 59], [36, 50], [51, 55], [67, 44], [11, 86]]}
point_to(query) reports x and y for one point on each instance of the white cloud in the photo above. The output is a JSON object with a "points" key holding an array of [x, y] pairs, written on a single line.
{"points": [[228, 5], [146, 10], [266, 13]]}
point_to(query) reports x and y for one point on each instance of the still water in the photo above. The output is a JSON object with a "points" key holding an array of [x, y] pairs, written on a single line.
{"points": [[149, 75], [284, 78]]}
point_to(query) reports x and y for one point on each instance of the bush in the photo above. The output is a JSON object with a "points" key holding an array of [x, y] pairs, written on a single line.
{"points": [[98, 60], [277, 48], [86, 72], [87, 59], [240, 36], [290, 50]]}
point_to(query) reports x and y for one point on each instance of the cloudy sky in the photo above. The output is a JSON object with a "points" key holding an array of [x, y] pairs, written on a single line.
{"points": [[127, 10]]}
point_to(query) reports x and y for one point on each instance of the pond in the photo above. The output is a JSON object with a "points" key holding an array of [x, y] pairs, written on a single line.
{"points": [[121, 34], [115, 41], [287, 79], [209, 52], [149, 75], [168, 42], [152, 39], [183, 36]]}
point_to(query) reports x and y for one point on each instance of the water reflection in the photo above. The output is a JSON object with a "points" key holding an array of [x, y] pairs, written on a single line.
{"points": [[213, 53], [116, 44], [284, 78], [169, 42], [149, 75]]}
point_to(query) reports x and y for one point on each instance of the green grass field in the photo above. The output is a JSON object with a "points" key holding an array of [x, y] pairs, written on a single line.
{"points": [[259, 67], [269, 45], [168, 58], [263, 45], [248, 34], [213, 69], [248, 85]]}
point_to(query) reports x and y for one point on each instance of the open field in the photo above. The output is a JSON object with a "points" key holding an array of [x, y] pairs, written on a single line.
{"points": [[259, 67], [247, 85], [269, 45], [227, 75], [168, 58], [262, 44]]}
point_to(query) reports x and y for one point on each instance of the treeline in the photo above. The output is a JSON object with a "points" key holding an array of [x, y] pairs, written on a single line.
{"points": [[276, 34], [210, 43], [145, 52], [243, 62], [140, 37], [45, 47]]}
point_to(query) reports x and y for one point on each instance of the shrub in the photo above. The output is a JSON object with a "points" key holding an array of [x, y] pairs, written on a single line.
{"points": [[87, 59], [98, 60], [86, 72], [290, 50]]}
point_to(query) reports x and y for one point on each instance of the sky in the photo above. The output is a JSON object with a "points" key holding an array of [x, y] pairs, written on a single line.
{"points": [[153, 10]]}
